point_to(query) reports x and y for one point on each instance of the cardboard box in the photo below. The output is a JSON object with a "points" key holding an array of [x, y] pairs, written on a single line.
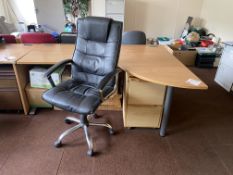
{"points": [[187, 57], [34, 97], [38, 80], [66, 75]]}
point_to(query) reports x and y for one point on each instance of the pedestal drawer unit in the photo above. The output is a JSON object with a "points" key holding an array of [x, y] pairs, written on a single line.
{"points": [[142, 103], [9, 93]]}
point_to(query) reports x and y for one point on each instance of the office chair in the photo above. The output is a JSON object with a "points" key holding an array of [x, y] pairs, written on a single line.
{"points": [[93, 69], [31, 28], [68, 38], [10, 39], [130, 37], [134, 37], [37, 38]]}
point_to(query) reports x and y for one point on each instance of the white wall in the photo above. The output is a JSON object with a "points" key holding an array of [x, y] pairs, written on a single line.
{"points": [[218, 16], [27, 10], [160, 17], [50, 13], [187, 8], [98, 7]]}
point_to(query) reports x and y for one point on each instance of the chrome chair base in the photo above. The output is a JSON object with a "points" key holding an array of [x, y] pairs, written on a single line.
{"points": [[84, 123]]}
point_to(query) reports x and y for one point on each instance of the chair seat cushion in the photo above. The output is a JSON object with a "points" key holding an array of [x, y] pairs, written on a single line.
{"points": [[74, 96]]}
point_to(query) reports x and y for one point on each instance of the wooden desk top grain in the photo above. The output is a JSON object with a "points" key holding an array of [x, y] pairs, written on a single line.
{"points": [[152, 64], [48, 54], [157, 65], [13, 52]]}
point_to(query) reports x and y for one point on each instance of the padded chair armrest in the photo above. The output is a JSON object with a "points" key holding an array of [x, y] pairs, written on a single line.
{"points": [[107, 78], [54, 68], [103, 83]]}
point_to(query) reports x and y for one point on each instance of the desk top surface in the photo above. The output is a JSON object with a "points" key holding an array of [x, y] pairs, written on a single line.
{"points": [[157, 65], [48, 54], [10, 53], [152, 64]]}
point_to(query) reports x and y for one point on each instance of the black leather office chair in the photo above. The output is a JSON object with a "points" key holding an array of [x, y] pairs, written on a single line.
{"points": [[94, 68], [68, 38], [134, 37]]}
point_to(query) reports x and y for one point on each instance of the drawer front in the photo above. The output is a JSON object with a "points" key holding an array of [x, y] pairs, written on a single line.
{"points": [[10, 99], [143, 116], [144, 93], [8, 82]]}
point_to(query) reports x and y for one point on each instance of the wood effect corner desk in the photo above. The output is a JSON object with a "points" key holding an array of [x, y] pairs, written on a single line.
{"points": [[9, 83], [157, 72], [151, 74]]}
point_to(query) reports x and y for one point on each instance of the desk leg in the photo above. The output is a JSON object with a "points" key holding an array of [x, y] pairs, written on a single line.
{"points": [[21, 72], [166, 111]]}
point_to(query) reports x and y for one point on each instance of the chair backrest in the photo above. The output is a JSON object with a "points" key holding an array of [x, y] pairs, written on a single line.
{"points": [[31, 28], [98, 47], [68, 38], [134, 37], [37, 38], [8, 38]]}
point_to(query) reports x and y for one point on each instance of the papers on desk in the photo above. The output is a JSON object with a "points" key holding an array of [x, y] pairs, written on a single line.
{"points": [[193, 82], [7, 58]]}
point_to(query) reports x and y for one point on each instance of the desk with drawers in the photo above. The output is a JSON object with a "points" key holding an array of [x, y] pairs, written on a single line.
{"points": [[151, 74], [9, 83]]}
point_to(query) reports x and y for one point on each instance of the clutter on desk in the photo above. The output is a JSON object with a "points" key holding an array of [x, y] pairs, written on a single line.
{"points": [[70, 27], [193, 82], [164, 41], [187, 26], [195, 46], [4, 58], [38, 80]]}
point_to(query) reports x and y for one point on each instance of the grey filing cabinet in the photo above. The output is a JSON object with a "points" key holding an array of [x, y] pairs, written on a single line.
{"points": [[224, 75]]}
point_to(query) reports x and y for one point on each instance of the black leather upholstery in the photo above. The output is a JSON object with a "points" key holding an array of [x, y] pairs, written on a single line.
{"points": [[95, 58], [76, 97], [134, 37]]}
